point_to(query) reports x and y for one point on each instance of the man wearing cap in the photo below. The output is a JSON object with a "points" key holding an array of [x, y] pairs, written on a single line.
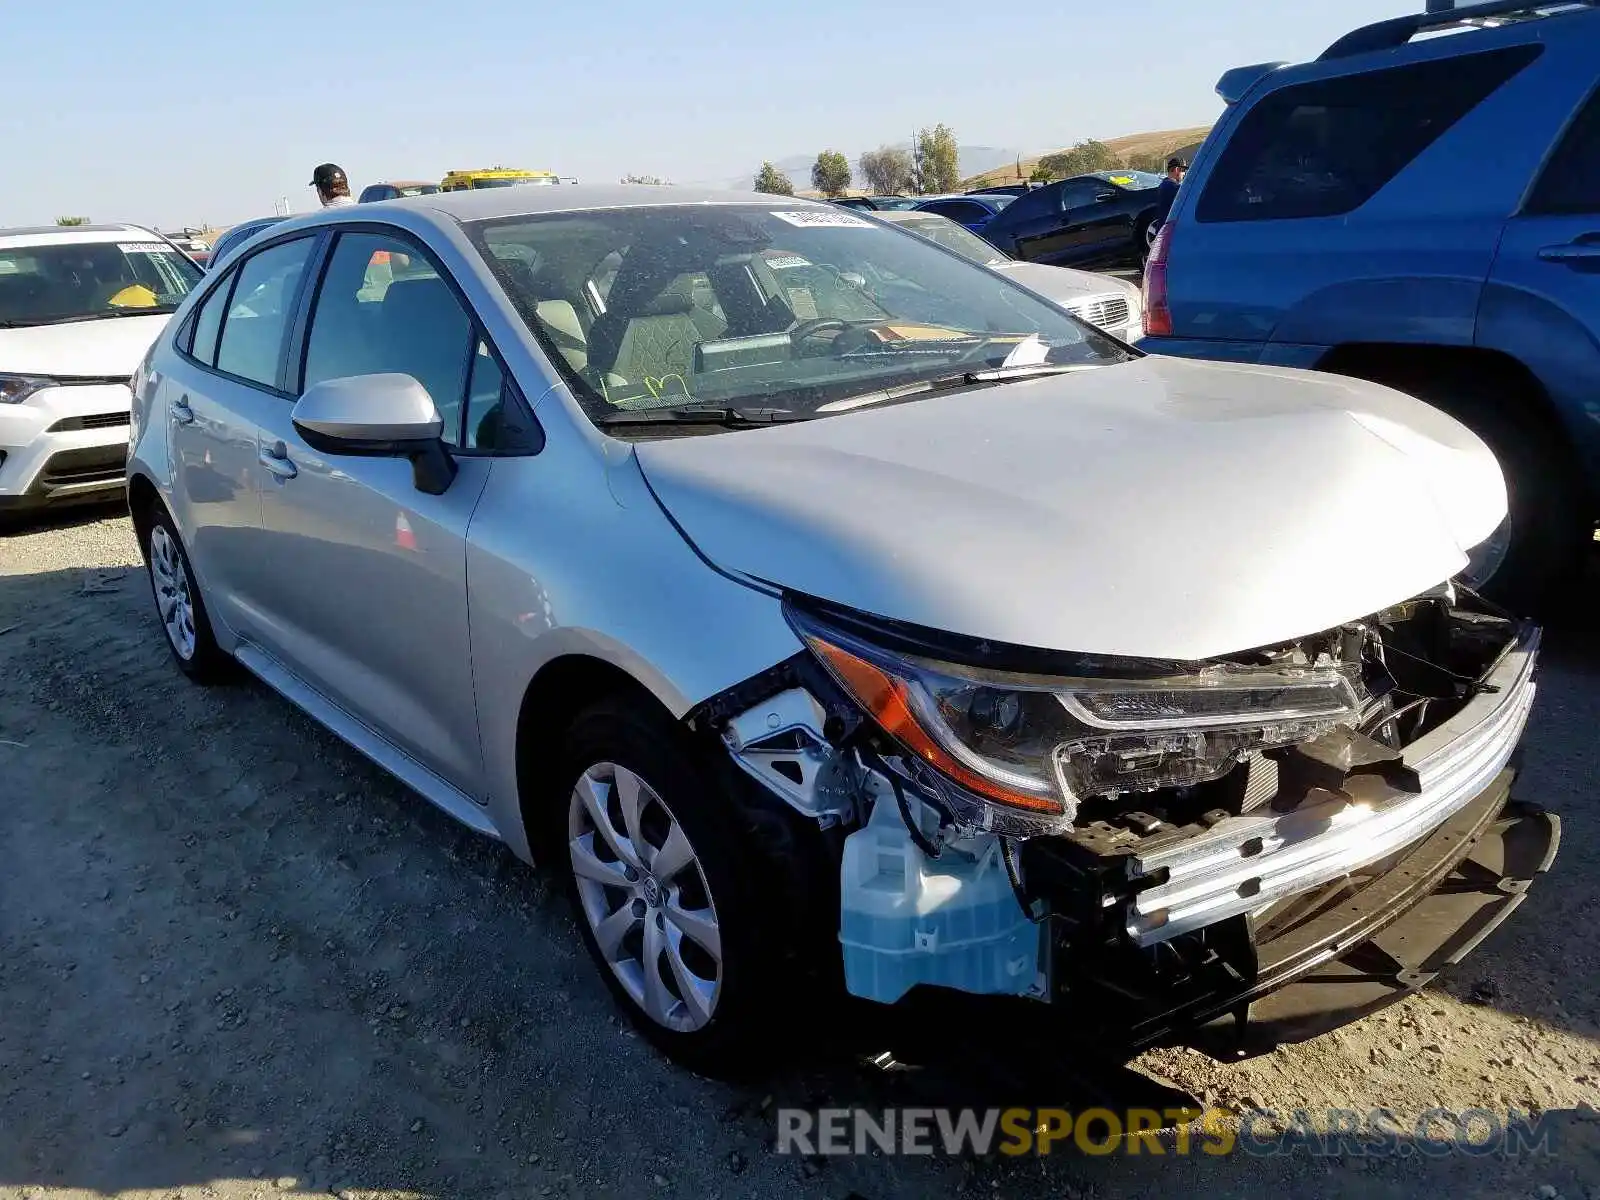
{"points": [[1168, 190], [333, 189]]}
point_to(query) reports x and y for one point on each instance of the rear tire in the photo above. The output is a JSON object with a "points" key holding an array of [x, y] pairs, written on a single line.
{"points": [[179, 606], [1549, 526], [689, 948], [1144, 234]]}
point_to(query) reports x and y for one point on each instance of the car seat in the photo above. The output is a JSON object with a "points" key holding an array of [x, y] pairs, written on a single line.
{"points": [[424, 332], [656, 350]]}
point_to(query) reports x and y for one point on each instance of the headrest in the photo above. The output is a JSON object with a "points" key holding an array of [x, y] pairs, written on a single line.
{"points": [[668, 304]]}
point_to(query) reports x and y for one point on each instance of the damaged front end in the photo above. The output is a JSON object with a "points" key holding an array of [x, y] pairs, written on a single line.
{"points": [[1156, 847]]}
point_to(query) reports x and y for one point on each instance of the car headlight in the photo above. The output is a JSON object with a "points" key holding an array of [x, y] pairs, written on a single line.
{"points": [[14, 389], [1018, 752]]}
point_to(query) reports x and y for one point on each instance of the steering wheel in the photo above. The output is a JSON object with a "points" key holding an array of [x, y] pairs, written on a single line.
{"points": [[814, 326]]}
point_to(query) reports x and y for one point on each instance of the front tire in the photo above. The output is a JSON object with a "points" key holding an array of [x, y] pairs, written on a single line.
{"points": [[179, 606], [1532, 562], [658, 863]]}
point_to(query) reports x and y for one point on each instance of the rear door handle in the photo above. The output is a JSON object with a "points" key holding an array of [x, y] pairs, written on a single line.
{"points": [[181, 412], [1571, 252], [276, 460]]}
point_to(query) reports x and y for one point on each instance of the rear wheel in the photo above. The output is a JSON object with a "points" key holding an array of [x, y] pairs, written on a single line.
{"points": [[1144, 237], [179, 607], [673, 906]]}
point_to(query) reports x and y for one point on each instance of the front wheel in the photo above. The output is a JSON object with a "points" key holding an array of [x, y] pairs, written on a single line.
{"points": [[1531, 562], [672, 908]]}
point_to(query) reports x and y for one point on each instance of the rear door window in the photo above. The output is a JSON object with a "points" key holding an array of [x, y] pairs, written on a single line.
{"points": [[1081, 193], [1324, 148], [259, 311], [207, 323], [1571, 180], [1041, 202], [963, 211]]}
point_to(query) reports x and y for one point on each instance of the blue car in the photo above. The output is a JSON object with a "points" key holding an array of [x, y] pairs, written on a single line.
{"points": [[974, 212], [1423, 212]]}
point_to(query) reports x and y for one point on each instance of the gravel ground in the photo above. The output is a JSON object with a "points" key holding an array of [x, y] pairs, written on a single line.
{"points": [[237, 961]]}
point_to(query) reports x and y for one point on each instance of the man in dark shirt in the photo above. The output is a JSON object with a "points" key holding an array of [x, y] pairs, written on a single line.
{"points": [[1167, 191]]}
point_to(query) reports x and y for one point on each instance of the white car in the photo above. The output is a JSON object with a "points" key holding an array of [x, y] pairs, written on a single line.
{"points": [[1107, 303], [78, 309]]}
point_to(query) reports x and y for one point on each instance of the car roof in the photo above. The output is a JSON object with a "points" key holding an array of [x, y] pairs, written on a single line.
{"points": [[491, 203], [57, 235], [1398, 31], [987, 199], [1391, 37]]}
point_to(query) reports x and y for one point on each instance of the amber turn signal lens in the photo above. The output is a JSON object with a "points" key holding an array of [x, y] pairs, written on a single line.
{"points": [[885, 698]]}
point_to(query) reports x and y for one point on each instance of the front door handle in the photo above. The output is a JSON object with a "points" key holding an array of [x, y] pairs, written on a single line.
{"points": [[1571, 252], [181, 412], [276, 460]]}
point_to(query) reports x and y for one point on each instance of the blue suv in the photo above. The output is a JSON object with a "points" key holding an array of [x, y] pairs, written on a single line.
{"points": [[1424, 212]]}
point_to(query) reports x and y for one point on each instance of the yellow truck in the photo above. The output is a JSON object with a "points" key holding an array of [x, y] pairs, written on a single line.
{"points": [[461, 181]]}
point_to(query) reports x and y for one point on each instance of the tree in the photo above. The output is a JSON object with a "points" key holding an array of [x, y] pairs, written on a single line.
{"points": [[647, 179], [830, 174], [1080, 160], [72, 220], [888, 171], [773, 181], [1040, 174], [938, 160], [1152, 161]]}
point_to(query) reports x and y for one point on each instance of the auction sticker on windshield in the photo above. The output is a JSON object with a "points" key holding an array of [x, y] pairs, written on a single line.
{"points": [[819, 220], [143, 247]]}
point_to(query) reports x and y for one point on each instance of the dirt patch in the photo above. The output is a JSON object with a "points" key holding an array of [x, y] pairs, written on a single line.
{"points": [[238, 961]]}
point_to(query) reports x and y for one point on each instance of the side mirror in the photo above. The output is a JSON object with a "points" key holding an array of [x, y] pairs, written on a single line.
{"points": [[378, 416]]}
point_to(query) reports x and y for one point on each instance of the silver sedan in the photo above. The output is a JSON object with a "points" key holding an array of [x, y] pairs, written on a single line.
{"points": [[827, 609], [1112, 304]]}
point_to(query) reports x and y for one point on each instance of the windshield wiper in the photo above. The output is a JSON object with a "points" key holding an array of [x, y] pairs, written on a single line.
{"points": [[957, 379], [727, 418], [108, 315]]}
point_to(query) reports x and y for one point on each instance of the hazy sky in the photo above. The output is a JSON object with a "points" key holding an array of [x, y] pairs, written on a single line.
{"points": [[174, 112]]}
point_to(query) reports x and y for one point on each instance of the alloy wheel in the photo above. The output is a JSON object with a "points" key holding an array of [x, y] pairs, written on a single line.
{"points": [[644, 894], [170, 581]]}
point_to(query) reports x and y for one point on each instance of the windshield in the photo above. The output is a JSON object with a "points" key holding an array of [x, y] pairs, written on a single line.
{"points": [[942, 231], [419, 189], [79, 280], [1134, 181], [500, 182], [747, 308]]}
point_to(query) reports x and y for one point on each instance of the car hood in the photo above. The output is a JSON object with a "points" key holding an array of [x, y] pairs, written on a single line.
{"points": [[1159, 508], [107, 347], [1064, 285]]}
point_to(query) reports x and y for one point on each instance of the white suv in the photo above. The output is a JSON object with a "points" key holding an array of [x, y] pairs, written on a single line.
{"points": [[79, 307]]}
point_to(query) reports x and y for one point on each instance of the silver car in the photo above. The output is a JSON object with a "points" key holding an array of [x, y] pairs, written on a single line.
{"points": [[820, 643], [1112, 304]]}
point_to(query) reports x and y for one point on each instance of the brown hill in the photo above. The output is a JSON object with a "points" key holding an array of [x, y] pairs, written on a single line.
{"points": [[1161, 142]]}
